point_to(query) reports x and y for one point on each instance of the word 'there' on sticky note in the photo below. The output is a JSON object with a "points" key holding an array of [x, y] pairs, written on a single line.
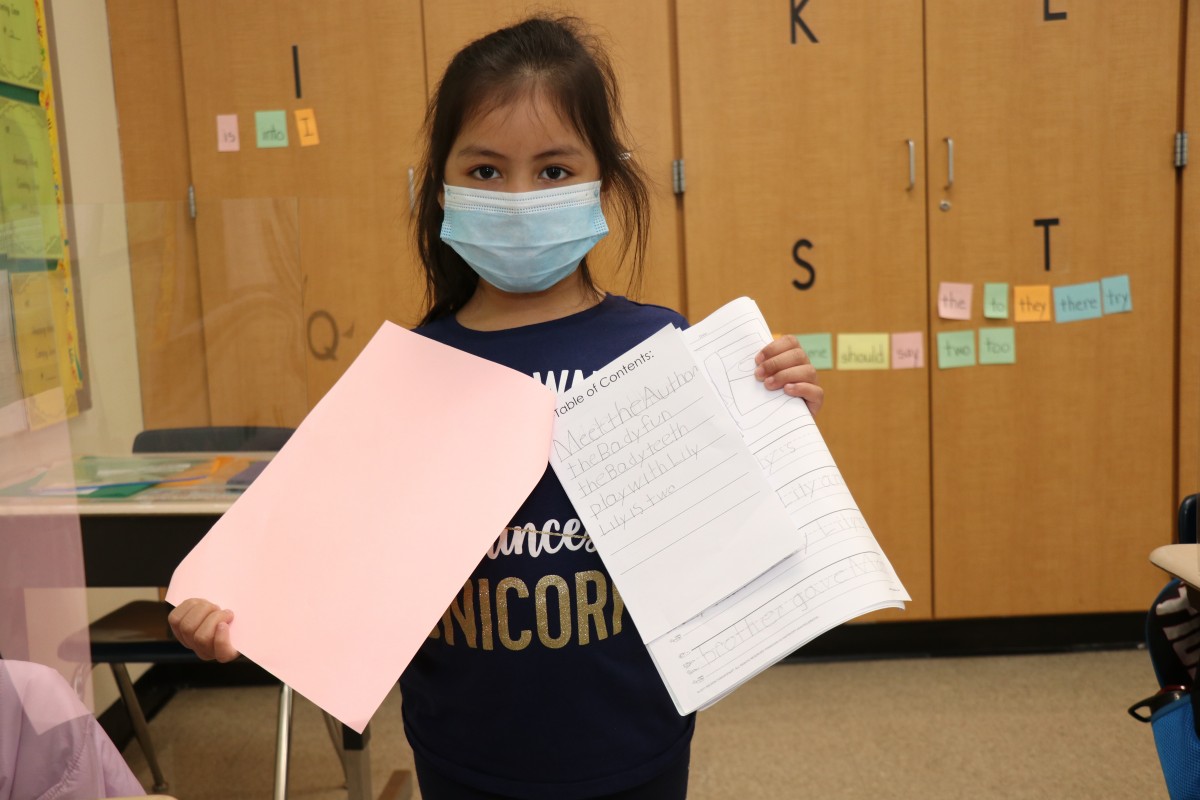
{"points": [[908, 350], [271, 128], [227, 133], [954, 300], [995, 300], [956, 349], [997, 346], [306, 126], [819, 347], [1081, 301], [1032, 304], [1117, 296], [863, 351]]}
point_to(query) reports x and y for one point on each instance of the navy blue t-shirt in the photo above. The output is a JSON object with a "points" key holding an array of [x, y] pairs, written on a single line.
{"points": [[535, 683]]}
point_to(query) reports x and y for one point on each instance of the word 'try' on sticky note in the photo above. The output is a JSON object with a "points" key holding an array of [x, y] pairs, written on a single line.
{"points": [[819, 347], [306, 125], [995, 300], [1081, 301], [227, 133], [997, 346], [271, 127], [954, 300], [1031, 304], [908, 350], [956, 349], [862, 351], [1117, 297]]}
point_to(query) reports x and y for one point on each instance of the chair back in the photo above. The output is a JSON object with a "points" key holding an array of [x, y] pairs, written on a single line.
{"points": [[1189, 519], [211, 439]]}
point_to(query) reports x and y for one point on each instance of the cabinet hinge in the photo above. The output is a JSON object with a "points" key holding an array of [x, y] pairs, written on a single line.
{"points": [[1181, 149], [678, 181], [192, 201]]}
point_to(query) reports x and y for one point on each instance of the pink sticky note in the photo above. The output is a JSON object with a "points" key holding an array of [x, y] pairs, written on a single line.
{"points": [[227, 133], [908, 350], [954, 300], [344, 553]]}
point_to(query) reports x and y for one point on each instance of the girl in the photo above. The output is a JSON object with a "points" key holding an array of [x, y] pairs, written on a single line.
{"points": [[535, 683]]}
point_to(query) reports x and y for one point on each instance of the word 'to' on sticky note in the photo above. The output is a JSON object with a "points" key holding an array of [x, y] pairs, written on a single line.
{"points": [[954, 300], [271, 128], [995, 300], [908, 350], [306, 125], [956, 349], [1117, 297], [862, 351], [227, 133], [1081, 301], [819, 347], [1031, 304], [997, 346]]}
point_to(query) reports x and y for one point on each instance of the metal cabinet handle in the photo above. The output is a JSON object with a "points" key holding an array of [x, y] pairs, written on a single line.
{"points": [[949, 162], [912, 164], [412, 191]]}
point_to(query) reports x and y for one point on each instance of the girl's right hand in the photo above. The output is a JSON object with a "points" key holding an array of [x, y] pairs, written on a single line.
{"points": [[203, 627]]}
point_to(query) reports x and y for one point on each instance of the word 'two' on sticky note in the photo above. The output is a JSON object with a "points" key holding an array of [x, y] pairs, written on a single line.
{"points": [[819, 347], [908, 350], [995, 300], [1117, 296], [1031, 304], [306, 126], [954, 300], [862, 351], [956, 349], [271, 127], [997, 346], [1081, 301], [227, 133]]}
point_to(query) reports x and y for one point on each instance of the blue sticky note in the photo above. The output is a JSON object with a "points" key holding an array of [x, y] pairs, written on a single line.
{"points": [[819, 347], [1081, 301], [271, 128], [1117, 297]]}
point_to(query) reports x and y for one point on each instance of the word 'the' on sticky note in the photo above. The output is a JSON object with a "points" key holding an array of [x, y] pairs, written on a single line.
{"points": [[954, 300], [306, 125], [1031, 304], [862, 351], [997, 346], [1117, 297], [956, 349], [819, 347], [908, 350], [1081, 301], [995, 300], [271, 127], [227, 133]]}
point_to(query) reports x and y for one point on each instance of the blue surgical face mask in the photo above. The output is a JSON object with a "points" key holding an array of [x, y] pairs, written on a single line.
{"points": [[524, 241]]}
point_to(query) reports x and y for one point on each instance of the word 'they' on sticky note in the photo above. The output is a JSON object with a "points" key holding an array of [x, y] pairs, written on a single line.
{"points": [[908, 350], [271, 127], [227, 133], [819, 347], [1081, 301], [997, 346], [956, 349], [954, 300], [1031, 304], [995, 300], [862, 351], [1117, 297], [306, 125]]}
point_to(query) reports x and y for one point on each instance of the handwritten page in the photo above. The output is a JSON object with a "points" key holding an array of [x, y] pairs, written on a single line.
{"points": [[343, 554], [676, 505]]}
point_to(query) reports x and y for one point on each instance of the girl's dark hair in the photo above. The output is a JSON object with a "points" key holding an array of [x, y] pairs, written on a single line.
{"points": [[559, 58]]}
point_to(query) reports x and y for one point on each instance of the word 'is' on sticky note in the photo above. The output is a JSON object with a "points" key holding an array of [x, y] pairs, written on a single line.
{"points": [[1031, 304], [995, 300], [227, 133], [819, 347], [997, 346], [306, 125], [1081, 301], [954, 300], [1117, 297], [956, 349], [908, 350], [863, 351], [271, 128]]}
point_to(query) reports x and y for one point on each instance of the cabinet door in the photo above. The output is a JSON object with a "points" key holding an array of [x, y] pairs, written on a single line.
{"points": [[304, 250], [795, 135], [1053, 478], [1189, 283]]}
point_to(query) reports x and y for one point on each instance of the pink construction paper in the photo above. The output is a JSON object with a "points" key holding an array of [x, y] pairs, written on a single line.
{"points": [[343, 554], [228, 140], [954, 300], [908, 350]]}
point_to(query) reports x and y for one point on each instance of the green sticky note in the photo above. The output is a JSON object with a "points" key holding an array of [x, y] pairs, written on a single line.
{"points": [[997, 346], [956, 349], [1117, 297], [863, 351], [819, 347], [1081, 301], [995, 300], [271, 127]]}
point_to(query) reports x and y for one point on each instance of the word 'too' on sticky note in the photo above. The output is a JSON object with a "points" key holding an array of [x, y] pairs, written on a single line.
{"points": [[908, 350], [271, 127], [819, 347], [995, 300], [1117, 297], [954, 300], [227, 133], [956, 349], [1081, 301], [1031, 304], [306, 125], [997, 346], [862, 351]]}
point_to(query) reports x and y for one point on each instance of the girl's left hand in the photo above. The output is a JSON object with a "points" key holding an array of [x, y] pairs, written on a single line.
{"points": [[783, 364]]}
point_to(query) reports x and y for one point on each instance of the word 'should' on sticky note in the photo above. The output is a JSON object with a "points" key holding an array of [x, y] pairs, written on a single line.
{"points": [[819, 347], [995, 300], [1031, 304], [1081, 301], [956, 349], [271, 128], [227, 133], [862, 351], [1117, 297], [954, 300], [908, 350], [306, 125], [997, 346]]}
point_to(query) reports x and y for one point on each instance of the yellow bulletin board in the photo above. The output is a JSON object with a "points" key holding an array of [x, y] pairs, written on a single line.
{"points": [[41, 350]]}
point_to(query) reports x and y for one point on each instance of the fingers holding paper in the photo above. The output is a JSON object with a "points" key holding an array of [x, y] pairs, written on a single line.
{"points": [[783, 364], [203, 627]]}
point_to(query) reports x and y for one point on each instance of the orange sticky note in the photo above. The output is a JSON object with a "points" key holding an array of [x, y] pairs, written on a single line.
{"points": [[1032, 304], [306, 124]]}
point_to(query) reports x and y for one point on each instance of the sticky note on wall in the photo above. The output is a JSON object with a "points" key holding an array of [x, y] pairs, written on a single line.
{"points": [[954, 300], [997, 346], [956, 349], [995, 300], [306, 127], [228, 140], [271, 128], [908, 350], [1031, 304], [819, 347], [1116, 294], [1081, 301], [862, 351]]}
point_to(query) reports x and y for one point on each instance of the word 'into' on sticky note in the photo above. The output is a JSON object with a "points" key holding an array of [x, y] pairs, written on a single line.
{"points": [[995, 300], [1031, 304], [227, 133], [306, 126], [1117, 296], [956, 349], [997, 346], [862, 351], [954, 300], [908, 350], [271, 128], [819, 347], [1081, 301]]}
